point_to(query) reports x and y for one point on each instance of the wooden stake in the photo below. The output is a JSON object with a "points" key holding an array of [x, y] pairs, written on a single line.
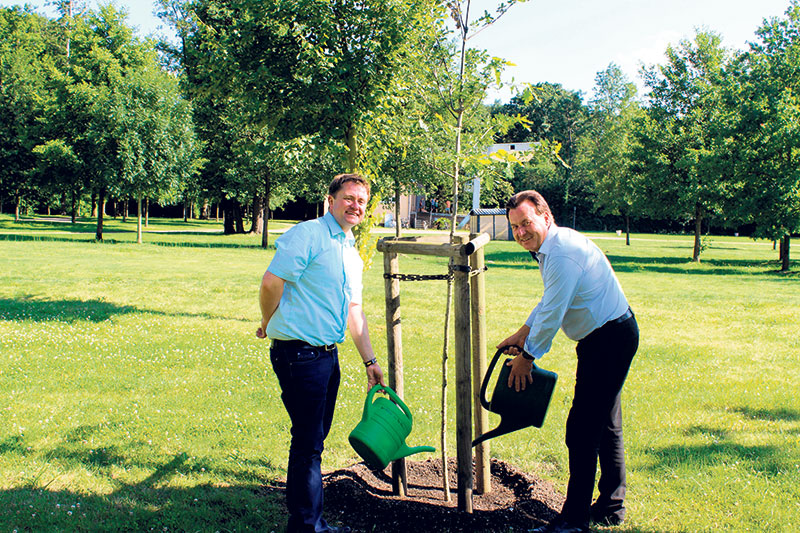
{"points": [[483, 476], [394, 347], [463, 385]]}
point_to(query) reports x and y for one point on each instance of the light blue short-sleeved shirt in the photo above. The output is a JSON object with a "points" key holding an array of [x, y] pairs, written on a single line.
{"points": [[323, 272], [581, 291]]}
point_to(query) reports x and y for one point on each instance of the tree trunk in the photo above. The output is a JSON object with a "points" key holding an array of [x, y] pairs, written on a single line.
{"points": [[397, 223], [698, 230], [232, 217], [100, 206], [257, 225], [139, 218], [785, 243], [94, 204], [265, 230], [352, 147], [147, 212], [17, 206], [74, 206], [627, 230], [125, 209]]}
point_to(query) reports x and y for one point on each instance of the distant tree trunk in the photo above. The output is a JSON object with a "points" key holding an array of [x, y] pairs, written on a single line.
{"points": [[232, 217], [125, 209], [17, 206], [785, 242], [185, 210], [627, 229], [147, 212], [74, 206], [94, 204], [698, 230], [100, 206], [267, 194], [257, 221], [139, 218], [205, 210]]}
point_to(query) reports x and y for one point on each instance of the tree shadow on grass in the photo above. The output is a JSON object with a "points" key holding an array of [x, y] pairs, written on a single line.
{"points": [[29, 308], [720, 448], [249, 496], [82, 239]]}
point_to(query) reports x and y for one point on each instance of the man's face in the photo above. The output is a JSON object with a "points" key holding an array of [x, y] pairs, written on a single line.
{"points": [[529, 228], [348, 205]]}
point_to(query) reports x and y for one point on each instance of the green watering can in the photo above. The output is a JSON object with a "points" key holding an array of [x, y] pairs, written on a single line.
{"points": [[521, 409], [380, 436]]}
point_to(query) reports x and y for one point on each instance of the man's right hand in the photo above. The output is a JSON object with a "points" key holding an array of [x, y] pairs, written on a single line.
{"points": [[515, 341], [261, 332]]}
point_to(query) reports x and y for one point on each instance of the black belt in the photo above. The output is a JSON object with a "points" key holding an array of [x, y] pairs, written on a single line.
{"points": [[622, 318], [278, 343]]}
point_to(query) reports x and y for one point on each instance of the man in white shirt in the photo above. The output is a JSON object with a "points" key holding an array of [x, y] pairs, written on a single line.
{"points": [[583, 297]]}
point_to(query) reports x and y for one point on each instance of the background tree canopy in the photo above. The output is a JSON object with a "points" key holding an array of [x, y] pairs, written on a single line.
{"points": [[259, 103]]}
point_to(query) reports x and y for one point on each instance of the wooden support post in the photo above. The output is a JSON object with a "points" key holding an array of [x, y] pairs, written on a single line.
{"points": [[463, 365], [483, 476], [394, 347]]}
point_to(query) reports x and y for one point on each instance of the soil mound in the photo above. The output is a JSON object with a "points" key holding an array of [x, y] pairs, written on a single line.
{"points": [[362, 499]]}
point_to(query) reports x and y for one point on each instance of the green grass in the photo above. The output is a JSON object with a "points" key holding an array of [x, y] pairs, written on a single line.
{"points": [[138, 397]]}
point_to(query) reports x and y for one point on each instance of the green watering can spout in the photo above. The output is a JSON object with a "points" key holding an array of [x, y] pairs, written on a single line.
{"points": [[405, 451], [380, 436]]}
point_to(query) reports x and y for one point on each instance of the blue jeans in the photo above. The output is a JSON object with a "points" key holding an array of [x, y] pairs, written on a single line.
{"points": [[594, 424], [309, 380]]}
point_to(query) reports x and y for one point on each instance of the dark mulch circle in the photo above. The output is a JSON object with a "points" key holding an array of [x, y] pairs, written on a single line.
{"points": [[362, 499]]}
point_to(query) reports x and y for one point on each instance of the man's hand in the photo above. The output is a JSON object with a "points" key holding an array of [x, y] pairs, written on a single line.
{"points": [[374, 376], [520, 375], [515, 341], [261, 332]]}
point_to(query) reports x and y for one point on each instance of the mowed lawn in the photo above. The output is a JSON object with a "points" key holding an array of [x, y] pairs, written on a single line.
{"points": [[136, 396]]}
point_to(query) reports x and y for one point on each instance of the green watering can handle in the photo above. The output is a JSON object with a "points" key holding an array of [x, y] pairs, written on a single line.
{"points": [[393, 395]]}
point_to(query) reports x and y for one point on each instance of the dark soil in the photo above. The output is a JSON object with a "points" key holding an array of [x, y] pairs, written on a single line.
{"points": [[362, 499]]}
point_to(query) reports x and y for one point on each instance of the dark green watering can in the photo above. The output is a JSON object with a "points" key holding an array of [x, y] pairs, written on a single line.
{"points": [[380, 436], [517, 409]]}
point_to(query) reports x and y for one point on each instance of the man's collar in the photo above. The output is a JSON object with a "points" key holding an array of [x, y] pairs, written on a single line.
{"points": [[544, 249], [335, 228]]}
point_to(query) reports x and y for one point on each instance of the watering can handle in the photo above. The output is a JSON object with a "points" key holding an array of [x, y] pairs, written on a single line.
{"points": [[484, 400], [392, 394]]}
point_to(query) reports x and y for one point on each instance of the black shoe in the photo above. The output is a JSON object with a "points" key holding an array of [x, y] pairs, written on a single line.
{"points": [[559, 526], [606, 517]]}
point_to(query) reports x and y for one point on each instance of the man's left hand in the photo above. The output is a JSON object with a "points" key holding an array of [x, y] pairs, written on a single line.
{"points": [[520, 376]]}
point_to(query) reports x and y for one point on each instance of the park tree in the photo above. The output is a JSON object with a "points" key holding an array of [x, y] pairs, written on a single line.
{"points": [[681, 144], [26, 60], [555, 117], [604, 150], [300, 68], [767, 135], [157, 148]]}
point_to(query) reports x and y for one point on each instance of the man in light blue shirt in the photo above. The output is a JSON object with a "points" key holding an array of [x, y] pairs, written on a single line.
{"points": [[583, 297], [311, 293]]}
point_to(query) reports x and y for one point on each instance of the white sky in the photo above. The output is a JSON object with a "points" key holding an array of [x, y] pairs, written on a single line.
{"points": [[570, 41]]}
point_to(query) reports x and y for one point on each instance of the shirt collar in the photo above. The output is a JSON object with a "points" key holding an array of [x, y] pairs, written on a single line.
{"points": [[544, 249], [336, 230]]}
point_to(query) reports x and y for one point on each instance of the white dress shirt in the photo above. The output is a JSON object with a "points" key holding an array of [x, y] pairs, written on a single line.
{"points": [[581, 291]]}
